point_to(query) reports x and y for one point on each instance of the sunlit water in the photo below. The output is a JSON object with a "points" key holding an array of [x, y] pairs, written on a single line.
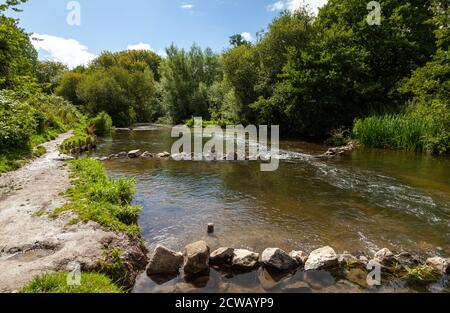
{"points": [[358, 203]]}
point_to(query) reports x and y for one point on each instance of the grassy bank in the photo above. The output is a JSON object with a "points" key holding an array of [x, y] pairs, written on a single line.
{"points": [[410, 132], [57, 283], [99, 198]]}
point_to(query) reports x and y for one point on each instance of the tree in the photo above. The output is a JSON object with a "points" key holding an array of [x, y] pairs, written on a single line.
{"points": [[185, 80], [238, 40], [49, 75], [17, 55]]}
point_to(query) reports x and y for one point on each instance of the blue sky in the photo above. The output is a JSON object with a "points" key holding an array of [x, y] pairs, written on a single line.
{"points": [[145, 24]]}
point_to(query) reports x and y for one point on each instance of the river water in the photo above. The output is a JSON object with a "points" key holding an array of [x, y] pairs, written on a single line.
{"points": [[358, 203]]}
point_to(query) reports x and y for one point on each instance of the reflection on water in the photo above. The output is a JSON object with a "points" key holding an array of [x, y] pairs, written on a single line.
{"points": [[359, 203]]}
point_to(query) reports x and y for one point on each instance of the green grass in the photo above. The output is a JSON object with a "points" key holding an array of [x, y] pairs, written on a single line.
{"points": [[13, 159], [422, 274], [114, 267], [39, 151], [57, 283], [96, 197], [401, 132]]}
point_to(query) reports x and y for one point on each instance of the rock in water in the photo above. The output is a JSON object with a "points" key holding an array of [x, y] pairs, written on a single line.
{"points": [[245, 259], [385, 257], [122, 155], [440, 264], [222, 256], [299, 256], [134, 154], [321, 259], [164, 261], [196, 258], [277, 259], [407, 259], [164, 154]]}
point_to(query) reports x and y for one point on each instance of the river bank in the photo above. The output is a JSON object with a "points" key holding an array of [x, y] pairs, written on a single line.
{"points": [[32, 243]]}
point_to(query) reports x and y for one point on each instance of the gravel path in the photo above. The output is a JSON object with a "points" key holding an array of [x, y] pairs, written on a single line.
{"points": [[31, 243]]}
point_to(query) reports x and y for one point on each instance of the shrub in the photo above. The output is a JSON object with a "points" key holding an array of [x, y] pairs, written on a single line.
{"points": [[102, 124], [57, 283], [17, 123]]}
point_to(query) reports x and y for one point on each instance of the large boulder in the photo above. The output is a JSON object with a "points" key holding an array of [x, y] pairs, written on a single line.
{"points": [[321, 259], [440, 264], [299, 256], [244, 259], [196, 258], [222, 256], [277, 259], [164, 261]]}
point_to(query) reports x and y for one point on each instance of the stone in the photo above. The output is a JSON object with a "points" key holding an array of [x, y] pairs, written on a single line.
{"points": [[347, 258], [122, 155], [321, 258], [210, 228], [407, 259], [299, 256], [222, 256], [147, 155], [134, 154], [440, 264], [278, 259], [196, 258], [164, 154], [244, 259], [164, 261], [357, 276], [385, 257]]}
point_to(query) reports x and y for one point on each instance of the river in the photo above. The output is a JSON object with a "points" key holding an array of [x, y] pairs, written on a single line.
{"points": [[358, 203]]}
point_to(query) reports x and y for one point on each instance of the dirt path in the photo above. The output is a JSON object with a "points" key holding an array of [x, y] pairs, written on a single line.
{"points": [[31, 243]]}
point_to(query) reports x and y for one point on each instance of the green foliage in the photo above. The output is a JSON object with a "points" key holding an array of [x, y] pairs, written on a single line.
{"points": [[185, 80], [121, 84], [17, 122], [338, 137], [39, 151], [57, 283], [98, 198], [49, 75], [17, 55], [102, 124], [422, 274], [406, 132], [114, 267]]}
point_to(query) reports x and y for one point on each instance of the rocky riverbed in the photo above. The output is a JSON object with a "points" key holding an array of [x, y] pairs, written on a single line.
{"points": [[196, 265]]}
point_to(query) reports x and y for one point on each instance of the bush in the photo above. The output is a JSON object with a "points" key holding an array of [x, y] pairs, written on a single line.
{"points": [[57, 283], [102, 124], [17, 123]]}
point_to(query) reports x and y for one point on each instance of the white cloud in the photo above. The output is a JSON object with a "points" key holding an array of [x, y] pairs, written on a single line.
{"points": [[67, 51], [187, 6], [140, 46], [247, 36], [293, 5]]}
